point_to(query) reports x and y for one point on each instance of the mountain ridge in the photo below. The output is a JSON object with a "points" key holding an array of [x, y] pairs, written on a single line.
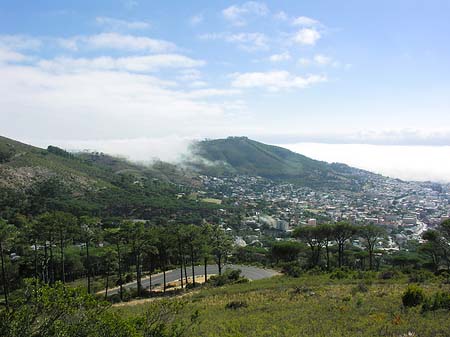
{"points": [[241, 155]]}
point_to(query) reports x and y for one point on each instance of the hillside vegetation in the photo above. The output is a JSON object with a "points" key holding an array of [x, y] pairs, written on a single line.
{"points": [[240, 155], [34, 180], [359, 304]]}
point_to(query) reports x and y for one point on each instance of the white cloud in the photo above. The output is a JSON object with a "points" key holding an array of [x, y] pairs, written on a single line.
{"points": [[105, 104], [147, 63], [8, 55], [237, 15], [196, 19], [304, 61], [20, 42], [245, 41], [395, 161], [130, 4], [281, 15], [275, 80], [321, 59], [115, 41], [307, 36], [305, 21], [121, 25], [285, 56]]}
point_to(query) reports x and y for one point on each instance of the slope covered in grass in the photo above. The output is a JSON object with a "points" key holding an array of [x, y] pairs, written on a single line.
{"points": [[311, 306]]}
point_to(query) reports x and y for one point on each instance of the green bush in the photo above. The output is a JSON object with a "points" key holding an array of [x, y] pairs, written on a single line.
{"points": [[339, 274], [440, 300], [413, 296], [229, 277], [388, 274], [420, 276], [236, 305], [292, 269]]}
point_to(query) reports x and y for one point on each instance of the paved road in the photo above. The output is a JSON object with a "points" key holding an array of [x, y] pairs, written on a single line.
{"points": [[252, 273]]}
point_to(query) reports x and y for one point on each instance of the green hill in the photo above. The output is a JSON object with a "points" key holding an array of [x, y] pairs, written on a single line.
{"points": [[240, 155], [33, 180]]}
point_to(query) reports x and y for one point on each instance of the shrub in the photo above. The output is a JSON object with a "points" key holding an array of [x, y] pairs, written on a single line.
{"points": [[292, 269], [413, 296], [229, 277], [339, 274], [233, 305], [360, 288], [420, 276], [388, 274], [440, 300]]}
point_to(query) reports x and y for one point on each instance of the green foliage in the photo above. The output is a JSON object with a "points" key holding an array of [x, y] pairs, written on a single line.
{"points": [[339, 274], [439, 300], [63, 312], [286, 250], [292, 269], [240, 155], [234, 305], [229, 277], [413, 296]]}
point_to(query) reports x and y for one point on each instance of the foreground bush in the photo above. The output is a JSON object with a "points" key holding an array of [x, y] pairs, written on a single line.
{"points": [[61, 311], [413, 296], [229, 277], [440, 300]]}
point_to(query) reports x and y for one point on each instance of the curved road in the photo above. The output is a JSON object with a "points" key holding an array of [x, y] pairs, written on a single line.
{"points": [[252, 273]]}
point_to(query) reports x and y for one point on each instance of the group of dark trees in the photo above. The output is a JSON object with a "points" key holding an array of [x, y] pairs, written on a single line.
{"points": [[57, 246], [320, 238]]}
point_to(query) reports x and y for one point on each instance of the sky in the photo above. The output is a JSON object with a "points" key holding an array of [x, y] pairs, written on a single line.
{"points": [[361, 82]]}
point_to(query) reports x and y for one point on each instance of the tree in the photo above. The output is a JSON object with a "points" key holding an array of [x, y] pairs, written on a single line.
{"points": [[371, 234], [286, 251], [7, 232], [89, 232], [205, 248], [342, 232], [110, 261], [136, 238], [311, 236], [221, 245], [325, 232], [64, 224], [116, 237], [192, 239]]}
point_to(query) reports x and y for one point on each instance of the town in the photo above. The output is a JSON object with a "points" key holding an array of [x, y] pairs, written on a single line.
{"points": [[406, 209]]}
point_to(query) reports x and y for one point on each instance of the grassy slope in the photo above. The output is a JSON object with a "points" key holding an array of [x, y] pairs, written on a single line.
{"points": [[275, 309]]}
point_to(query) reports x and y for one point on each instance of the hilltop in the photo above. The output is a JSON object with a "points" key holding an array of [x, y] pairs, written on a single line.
{"points": [[243, 156]]}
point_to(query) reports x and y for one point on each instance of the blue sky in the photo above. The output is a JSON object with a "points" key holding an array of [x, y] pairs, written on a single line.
{"points": [[142, 77]]}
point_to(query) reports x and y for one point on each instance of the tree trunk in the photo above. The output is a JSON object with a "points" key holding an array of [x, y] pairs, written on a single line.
{"points": [[327, 248], [185, 271], [52, 267], [4, 277], [370, 258], [150, 277], [106, 285], [219, 264], [340, 251], [63, 272], [193, 266], [181, 271], [206, 269], [138, 274], [88, 263], [120, 272], [45, 266], [164, 277]]}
